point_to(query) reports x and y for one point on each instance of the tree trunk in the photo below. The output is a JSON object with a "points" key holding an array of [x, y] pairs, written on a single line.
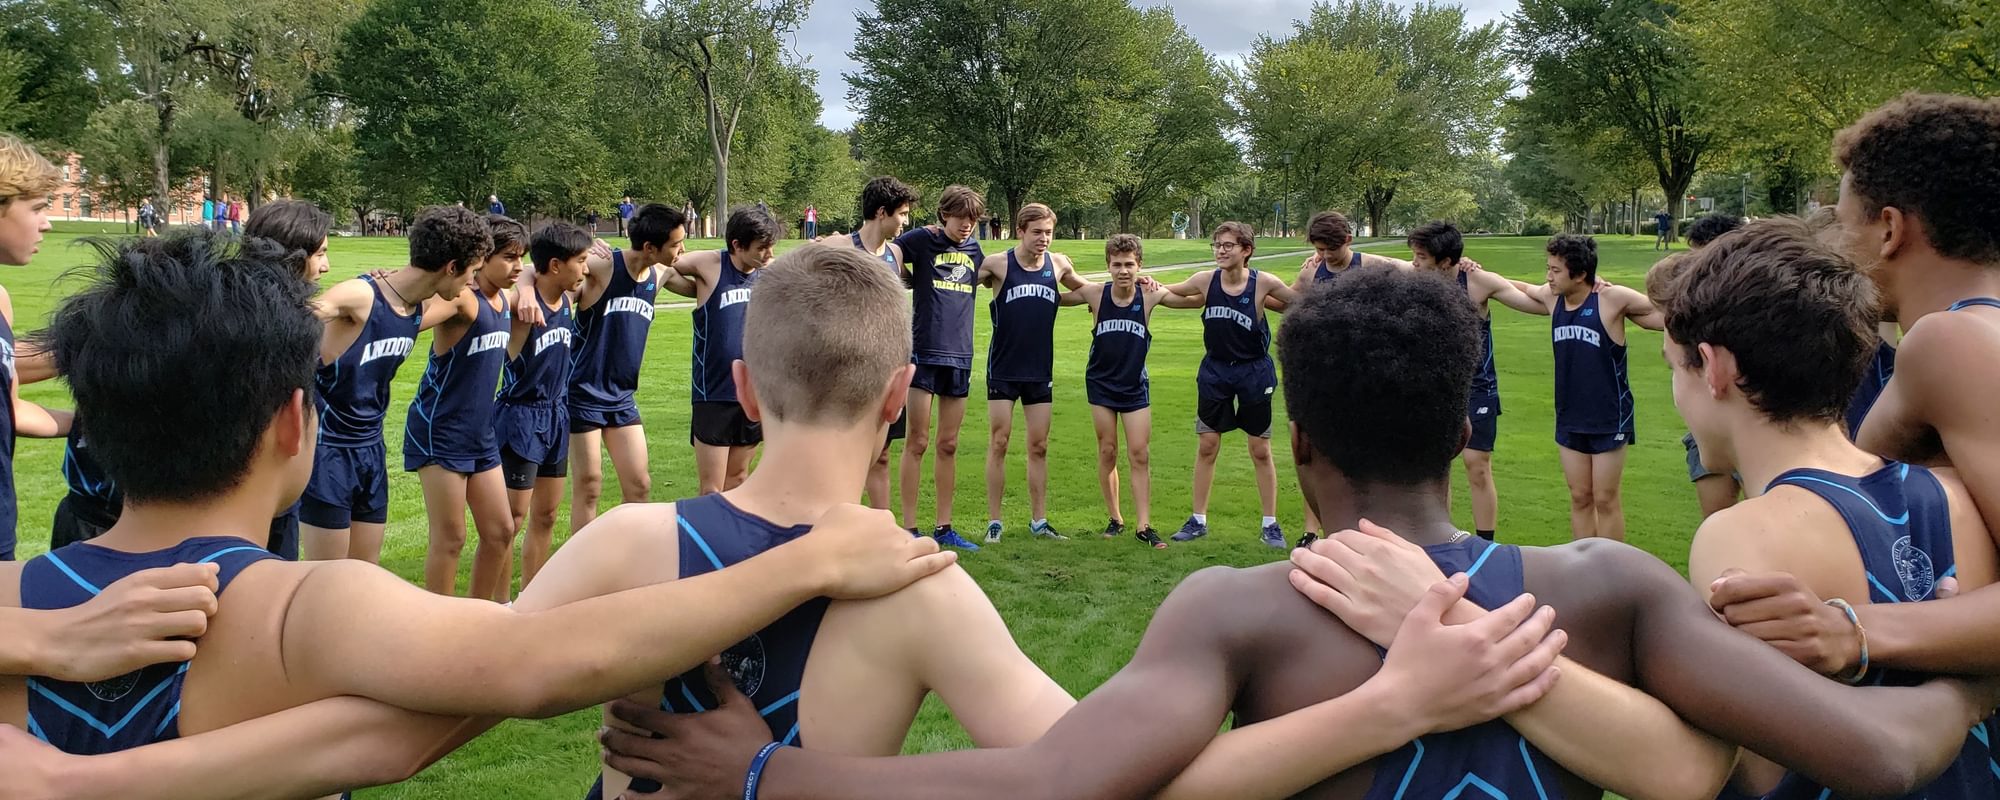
{"points": [[1377, 198], [1017, 196], [1635, 211], [1124, 215], [1195, 229], [160, 182]]}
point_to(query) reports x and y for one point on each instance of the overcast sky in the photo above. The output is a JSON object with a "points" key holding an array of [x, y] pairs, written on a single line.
{"points": [[1225, 27]]}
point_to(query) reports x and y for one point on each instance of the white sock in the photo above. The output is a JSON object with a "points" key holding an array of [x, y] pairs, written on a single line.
{"points": [[1040, 523], [1201, 519], [1269, 521]]}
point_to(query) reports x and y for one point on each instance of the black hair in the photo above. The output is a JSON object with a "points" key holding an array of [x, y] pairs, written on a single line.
{"points": [[445, 235], [885, 194], [1440, 239], [1578, 254], [1708, 226], [507, 232], [654, 224], [1377, 366], [557, 241], [750, 225], [179, 353], [295, 225]]}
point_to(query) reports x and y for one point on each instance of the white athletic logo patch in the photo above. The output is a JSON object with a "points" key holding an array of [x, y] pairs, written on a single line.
{"points": [[1914, 568]]}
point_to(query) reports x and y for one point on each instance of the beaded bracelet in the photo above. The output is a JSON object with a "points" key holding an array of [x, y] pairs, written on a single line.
{"points": [[1859, 633], [756, 774]]}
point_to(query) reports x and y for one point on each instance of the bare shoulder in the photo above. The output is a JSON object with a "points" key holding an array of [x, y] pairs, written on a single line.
{"points": [[632, 545], [6, 305], [1937, 345], [1596, 574]]}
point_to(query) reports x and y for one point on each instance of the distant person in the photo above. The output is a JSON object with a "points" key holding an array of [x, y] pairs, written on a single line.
{"points": [[1663, 228], [812, 221], [148, 222], [208, 212], [625, 209], [494, 206]]}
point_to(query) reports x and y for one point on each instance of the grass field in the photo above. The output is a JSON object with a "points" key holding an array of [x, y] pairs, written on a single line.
{"points": [[1076, 607]]}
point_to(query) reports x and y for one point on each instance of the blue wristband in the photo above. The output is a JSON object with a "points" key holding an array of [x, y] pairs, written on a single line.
{"points": [[756, 774]]}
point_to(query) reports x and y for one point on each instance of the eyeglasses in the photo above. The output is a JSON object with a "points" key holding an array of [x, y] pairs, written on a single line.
{"points": [[1228, 246]]}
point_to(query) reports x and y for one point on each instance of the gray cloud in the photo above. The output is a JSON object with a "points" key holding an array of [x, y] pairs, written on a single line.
{"points": [[1225, 27]]}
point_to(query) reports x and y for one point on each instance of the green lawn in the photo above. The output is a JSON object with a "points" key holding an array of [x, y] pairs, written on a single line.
{"points": [[1076, 607]]}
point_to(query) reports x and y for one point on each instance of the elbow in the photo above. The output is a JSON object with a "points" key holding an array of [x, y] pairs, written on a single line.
{"points": [[1888, 771]]}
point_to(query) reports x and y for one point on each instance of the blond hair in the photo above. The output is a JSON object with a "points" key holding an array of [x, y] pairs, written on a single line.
{"points": [[1661, 276], [817, 368], [24, 173], [1031, 213]]}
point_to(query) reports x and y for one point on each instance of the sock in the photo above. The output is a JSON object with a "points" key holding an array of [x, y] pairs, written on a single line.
{"points": [[1201, 519], [1487, 535], [1269, 521], [1040, 523], [993, 523]]}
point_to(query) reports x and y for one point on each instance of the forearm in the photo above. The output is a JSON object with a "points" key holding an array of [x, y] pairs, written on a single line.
{"points": [[1622, 739], [1946, 636], [35, 422], [25, 639], [314, 750], [1266, 760]]}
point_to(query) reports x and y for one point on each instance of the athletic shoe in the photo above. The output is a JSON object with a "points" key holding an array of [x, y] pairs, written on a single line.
{"points": [[1046, 531], [916, 534], [1306, 539], [1114, 530], [1274, 536], [1191, 530], [992, 532], [948, 537], [1149, 536]]}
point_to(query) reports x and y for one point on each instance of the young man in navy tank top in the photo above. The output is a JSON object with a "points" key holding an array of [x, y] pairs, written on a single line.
{"points": [[1851, 525], [1332, 238], [1377, 370], [448, 438], [1116, 382], [1920, 206], [23, 219], [1594, 413], [531, 412], [1237, 379], [296, 633], [1027, 283], [1438, 248], [944, 264], [885, 212], [371, 326], [614, 316], [720, 281]]}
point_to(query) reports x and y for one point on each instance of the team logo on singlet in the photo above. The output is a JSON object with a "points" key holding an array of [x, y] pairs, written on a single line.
{"points": [[114, 689], [7, 357], [1031, 291], [746, 662], [1913, 567], [552, 338], [631, 305], [387, 348], [1230, 314], [491, 341], [1122, 326], [733, 297], [1579, 333]]}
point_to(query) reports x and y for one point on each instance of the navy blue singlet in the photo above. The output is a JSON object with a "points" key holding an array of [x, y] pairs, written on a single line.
{"points": [[1880, 370], [1232, 325], [1485, 382], [718, 334], [136, 708], [944, 274], [613, 332], [1592, 396], [1901, 523], [1322, 274], [1489, 760], [768, 667], [84, 476], [887, 255], [353, 391], [539, 375], [1023, 311], [452, 415], [9, 513], [1118, 348]]}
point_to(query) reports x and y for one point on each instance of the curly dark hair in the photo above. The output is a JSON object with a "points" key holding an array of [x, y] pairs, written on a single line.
{"points": [[885, 194], [1936, 157], [449, 236], [1329, 228], [240, 339], [1377, 367], [1578, 254], [1799, 318], [1709, 226]]}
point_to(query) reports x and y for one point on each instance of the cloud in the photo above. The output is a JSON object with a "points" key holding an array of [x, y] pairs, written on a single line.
{"points": [[1225, 27]]}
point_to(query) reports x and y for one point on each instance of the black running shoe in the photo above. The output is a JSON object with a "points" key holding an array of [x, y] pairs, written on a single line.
{"points": [[1149, 536], [1114, 530], [1306, 539]]}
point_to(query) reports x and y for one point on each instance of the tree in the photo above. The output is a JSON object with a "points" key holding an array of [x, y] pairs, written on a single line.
{"points": [[1364, 96], [324, 169], [1017, 93], [488, 116], [159, 45], [1614, 65], [49, 52], [724, 45], [278, 55], [1184, 107]]}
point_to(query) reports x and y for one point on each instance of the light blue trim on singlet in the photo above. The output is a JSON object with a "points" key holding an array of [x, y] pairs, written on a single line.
{"points": [[699, 542], [688, 695], [777, 704], [87, 585], [1532, 774], [1474, 780], [1974, 301], [792, 737], [226, 551], [1481, 561], [86, 717], [1412, 771], [1900, 520]]}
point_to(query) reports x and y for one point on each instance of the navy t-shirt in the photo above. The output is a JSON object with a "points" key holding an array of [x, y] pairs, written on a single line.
{"points": [[944, 276]]}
